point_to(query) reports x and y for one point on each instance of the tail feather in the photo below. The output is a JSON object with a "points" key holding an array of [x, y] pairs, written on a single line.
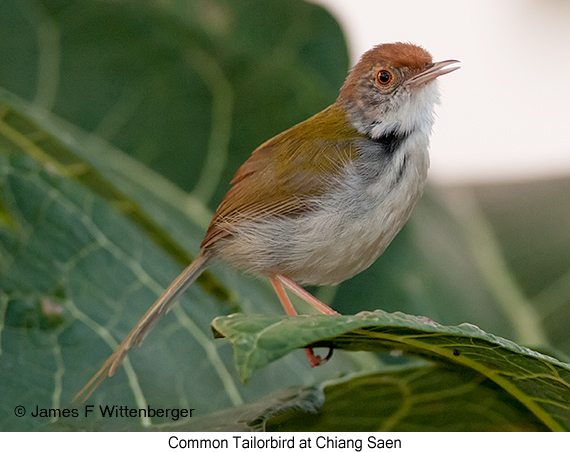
{"points": [[145, 325]]}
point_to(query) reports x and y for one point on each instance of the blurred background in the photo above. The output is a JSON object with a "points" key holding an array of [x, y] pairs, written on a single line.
{"points": [[504, 116], [164, 99]]}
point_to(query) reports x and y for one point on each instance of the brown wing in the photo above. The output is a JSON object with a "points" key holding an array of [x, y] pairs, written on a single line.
{"points": [[283, 172]]}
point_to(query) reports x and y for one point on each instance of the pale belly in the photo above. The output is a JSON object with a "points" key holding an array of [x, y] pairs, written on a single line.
{"points": [[346, 231]]}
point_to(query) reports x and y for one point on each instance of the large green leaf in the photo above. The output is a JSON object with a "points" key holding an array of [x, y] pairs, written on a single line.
{"points": [[539, 382], [425, 398], [184, 86], [247, 417], [78, 274], [89, 237], [416, 398]]}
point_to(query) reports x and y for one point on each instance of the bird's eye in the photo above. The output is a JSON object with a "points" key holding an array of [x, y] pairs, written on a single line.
{"points": [[384, 77]]}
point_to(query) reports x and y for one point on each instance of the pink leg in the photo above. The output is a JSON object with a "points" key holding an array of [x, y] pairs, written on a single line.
{"points": [[283, 298], [302, 293], [313, 359]]}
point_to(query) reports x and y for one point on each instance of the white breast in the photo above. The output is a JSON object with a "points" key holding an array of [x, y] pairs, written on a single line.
{"points": [[348, 228], [355, 223]]}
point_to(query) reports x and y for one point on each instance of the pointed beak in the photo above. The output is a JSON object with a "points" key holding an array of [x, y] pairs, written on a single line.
{"points": [[433, 71]]}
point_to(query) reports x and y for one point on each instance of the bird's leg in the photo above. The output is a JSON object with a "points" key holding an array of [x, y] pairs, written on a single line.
{"points": [[283, 298], [277, 284], [302, 293]]}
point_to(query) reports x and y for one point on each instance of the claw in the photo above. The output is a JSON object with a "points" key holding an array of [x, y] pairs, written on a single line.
{"points": [[316, 360]]}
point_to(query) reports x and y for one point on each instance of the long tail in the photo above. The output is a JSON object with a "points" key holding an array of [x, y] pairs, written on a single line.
{"points": [[145, 324]]}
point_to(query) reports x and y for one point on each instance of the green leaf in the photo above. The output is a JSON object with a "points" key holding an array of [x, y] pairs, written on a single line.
{"points": [[183, 86], [245, 418], [425, 398], [415, 398], [66, 250], [539, 382], [89, 236]]}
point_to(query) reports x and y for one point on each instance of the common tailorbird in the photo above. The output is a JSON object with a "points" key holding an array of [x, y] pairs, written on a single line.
{"points": [[318, 203]]}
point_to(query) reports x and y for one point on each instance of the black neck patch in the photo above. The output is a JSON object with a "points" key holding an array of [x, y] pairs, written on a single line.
{"points": [[391, 141]]}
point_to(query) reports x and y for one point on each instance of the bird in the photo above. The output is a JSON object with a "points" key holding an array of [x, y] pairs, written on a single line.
{"points": [[320, 202]]}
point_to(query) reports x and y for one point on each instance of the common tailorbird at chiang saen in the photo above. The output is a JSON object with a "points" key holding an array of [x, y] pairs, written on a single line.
{"points": [[319, 203]]}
